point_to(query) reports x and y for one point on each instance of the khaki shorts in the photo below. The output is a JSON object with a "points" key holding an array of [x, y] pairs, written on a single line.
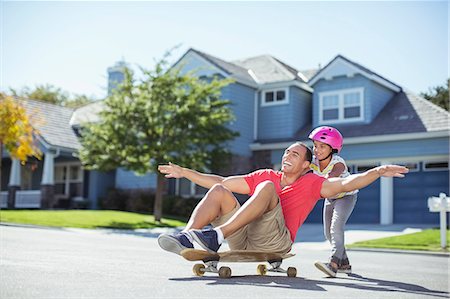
{"points": [[268, 233]]}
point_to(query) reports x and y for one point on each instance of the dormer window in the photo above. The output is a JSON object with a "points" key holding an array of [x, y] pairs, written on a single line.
{"points": [[275, 97], [341, 106]]}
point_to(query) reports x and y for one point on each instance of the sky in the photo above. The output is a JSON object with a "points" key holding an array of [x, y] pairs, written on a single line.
{"points": [[70, 45]]}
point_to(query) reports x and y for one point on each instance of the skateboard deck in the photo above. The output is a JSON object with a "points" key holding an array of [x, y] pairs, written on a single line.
{"points": [[236, 256]]}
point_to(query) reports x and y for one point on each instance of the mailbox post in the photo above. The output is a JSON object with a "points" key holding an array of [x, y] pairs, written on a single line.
{"points": [[441, 204]]}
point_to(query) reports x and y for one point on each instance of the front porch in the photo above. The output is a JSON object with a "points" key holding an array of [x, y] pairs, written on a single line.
{"points": [[56, 182]]}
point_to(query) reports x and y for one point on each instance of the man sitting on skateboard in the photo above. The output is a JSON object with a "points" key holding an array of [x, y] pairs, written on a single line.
{"points": [[279, 204]]}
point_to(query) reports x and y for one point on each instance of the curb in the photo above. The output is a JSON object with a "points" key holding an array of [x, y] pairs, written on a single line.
{"points": [[416, 252]]}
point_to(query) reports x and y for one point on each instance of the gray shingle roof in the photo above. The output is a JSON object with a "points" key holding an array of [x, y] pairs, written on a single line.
{"points": [[404, 113], [228, 67], [52, 122], [87, 113], [268, 69]]}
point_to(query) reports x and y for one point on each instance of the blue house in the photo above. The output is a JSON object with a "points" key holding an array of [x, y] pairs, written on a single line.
{"points": [[276, 104]]}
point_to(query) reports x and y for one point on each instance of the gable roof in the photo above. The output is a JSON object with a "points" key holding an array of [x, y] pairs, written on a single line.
{"points": [[268, 69], [404, 113], [356, 67], [52, 123], [229, 68]]}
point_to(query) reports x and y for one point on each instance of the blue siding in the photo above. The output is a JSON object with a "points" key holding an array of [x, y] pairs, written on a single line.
{"points": [[433, 146], [129, 180], [99, 183], [375, 95], [242, 103], [283, 121]]}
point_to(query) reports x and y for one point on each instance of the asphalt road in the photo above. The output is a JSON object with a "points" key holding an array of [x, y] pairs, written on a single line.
{"points": [[68, 263]]}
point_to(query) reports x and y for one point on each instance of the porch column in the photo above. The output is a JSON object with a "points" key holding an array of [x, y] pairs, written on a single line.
{"points": [[14, 183], [386, 199], [48, 181]]}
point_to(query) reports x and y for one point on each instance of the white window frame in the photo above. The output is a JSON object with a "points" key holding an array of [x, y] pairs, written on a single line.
{"points": [[68, 180], [424, 168], [340, 93], [275, 102]]}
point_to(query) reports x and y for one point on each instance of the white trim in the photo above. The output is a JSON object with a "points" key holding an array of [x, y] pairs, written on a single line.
{"points": [[275, 102], [340, 93], [352, 70], [359, 140], [287, 84]]}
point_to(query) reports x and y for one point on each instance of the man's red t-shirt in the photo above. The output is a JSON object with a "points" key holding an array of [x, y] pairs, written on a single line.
{"points": [[297, 200]]}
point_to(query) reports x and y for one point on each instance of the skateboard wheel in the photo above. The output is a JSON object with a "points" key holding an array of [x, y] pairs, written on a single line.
{"points": [[291, 272], [262, 269], [199, 269], [224, 272]]}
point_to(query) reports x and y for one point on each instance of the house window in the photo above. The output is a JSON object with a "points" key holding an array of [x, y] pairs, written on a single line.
{"points": [[186, 188], [341, 106], [69, 180], [435, 166], [275, 97]]}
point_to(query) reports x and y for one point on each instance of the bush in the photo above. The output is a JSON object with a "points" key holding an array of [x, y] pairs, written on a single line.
{"points": [[142, 200]]}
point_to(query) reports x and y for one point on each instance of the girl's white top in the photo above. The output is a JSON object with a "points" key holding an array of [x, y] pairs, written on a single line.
{"points": [[314, 166]]}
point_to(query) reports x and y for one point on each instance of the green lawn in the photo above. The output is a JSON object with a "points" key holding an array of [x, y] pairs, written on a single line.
{"points": [[87, 219], [429, 240]]}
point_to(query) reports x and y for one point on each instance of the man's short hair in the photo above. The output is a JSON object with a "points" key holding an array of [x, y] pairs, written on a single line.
{"points": [[308, 151]]}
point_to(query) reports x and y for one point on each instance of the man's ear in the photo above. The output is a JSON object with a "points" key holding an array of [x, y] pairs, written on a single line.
{"points": [[306, 164]]}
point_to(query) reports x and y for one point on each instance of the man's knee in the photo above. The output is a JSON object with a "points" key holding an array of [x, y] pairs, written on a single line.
{"points": [[219, 189], [266, 186]]}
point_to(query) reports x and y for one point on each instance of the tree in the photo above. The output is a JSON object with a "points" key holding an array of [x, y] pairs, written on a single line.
{"points": [[165, 116], [51, 94], [438, 95], [16, 132]]}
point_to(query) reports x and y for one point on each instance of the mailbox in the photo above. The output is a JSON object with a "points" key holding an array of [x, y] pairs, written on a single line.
{"points": [[441, 204]]}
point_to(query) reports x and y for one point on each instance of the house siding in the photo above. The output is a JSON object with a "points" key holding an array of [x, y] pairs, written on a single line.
{"points": [[99, 184], [375, 95], [242, 104], [126, 179], [284, 120]]}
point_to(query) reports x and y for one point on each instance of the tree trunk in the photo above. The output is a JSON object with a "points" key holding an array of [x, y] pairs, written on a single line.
{"points": [[157, 208]]}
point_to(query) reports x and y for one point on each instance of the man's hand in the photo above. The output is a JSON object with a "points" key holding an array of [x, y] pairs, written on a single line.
{"points": [[392, 171], [171, 170]]}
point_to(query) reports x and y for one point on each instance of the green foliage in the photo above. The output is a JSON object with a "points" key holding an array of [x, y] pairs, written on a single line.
{"points": [[438, 95], [166, 116], [51, 94]]}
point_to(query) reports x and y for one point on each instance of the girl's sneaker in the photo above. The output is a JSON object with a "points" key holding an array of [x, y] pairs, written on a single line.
{"points": [[345, 269], [326, 268]]}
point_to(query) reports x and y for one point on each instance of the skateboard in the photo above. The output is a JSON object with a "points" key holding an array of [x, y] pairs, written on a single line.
{"points": [[211, 260]]}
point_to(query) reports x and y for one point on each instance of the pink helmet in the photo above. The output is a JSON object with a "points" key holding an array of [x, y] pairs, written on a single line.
{"points": [[328, 135]]}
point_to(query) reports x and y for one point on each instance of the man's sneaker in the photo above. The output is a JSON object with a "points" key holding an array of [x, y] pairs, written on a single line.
{"points": [[174, 242], [326, 268], [207, 239], [345, 269]]}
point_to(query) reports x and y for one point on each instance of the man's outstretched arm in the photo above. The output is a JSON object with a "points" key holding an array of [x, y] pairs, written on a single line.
{"points": [[234, 183], [333, 186]]}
